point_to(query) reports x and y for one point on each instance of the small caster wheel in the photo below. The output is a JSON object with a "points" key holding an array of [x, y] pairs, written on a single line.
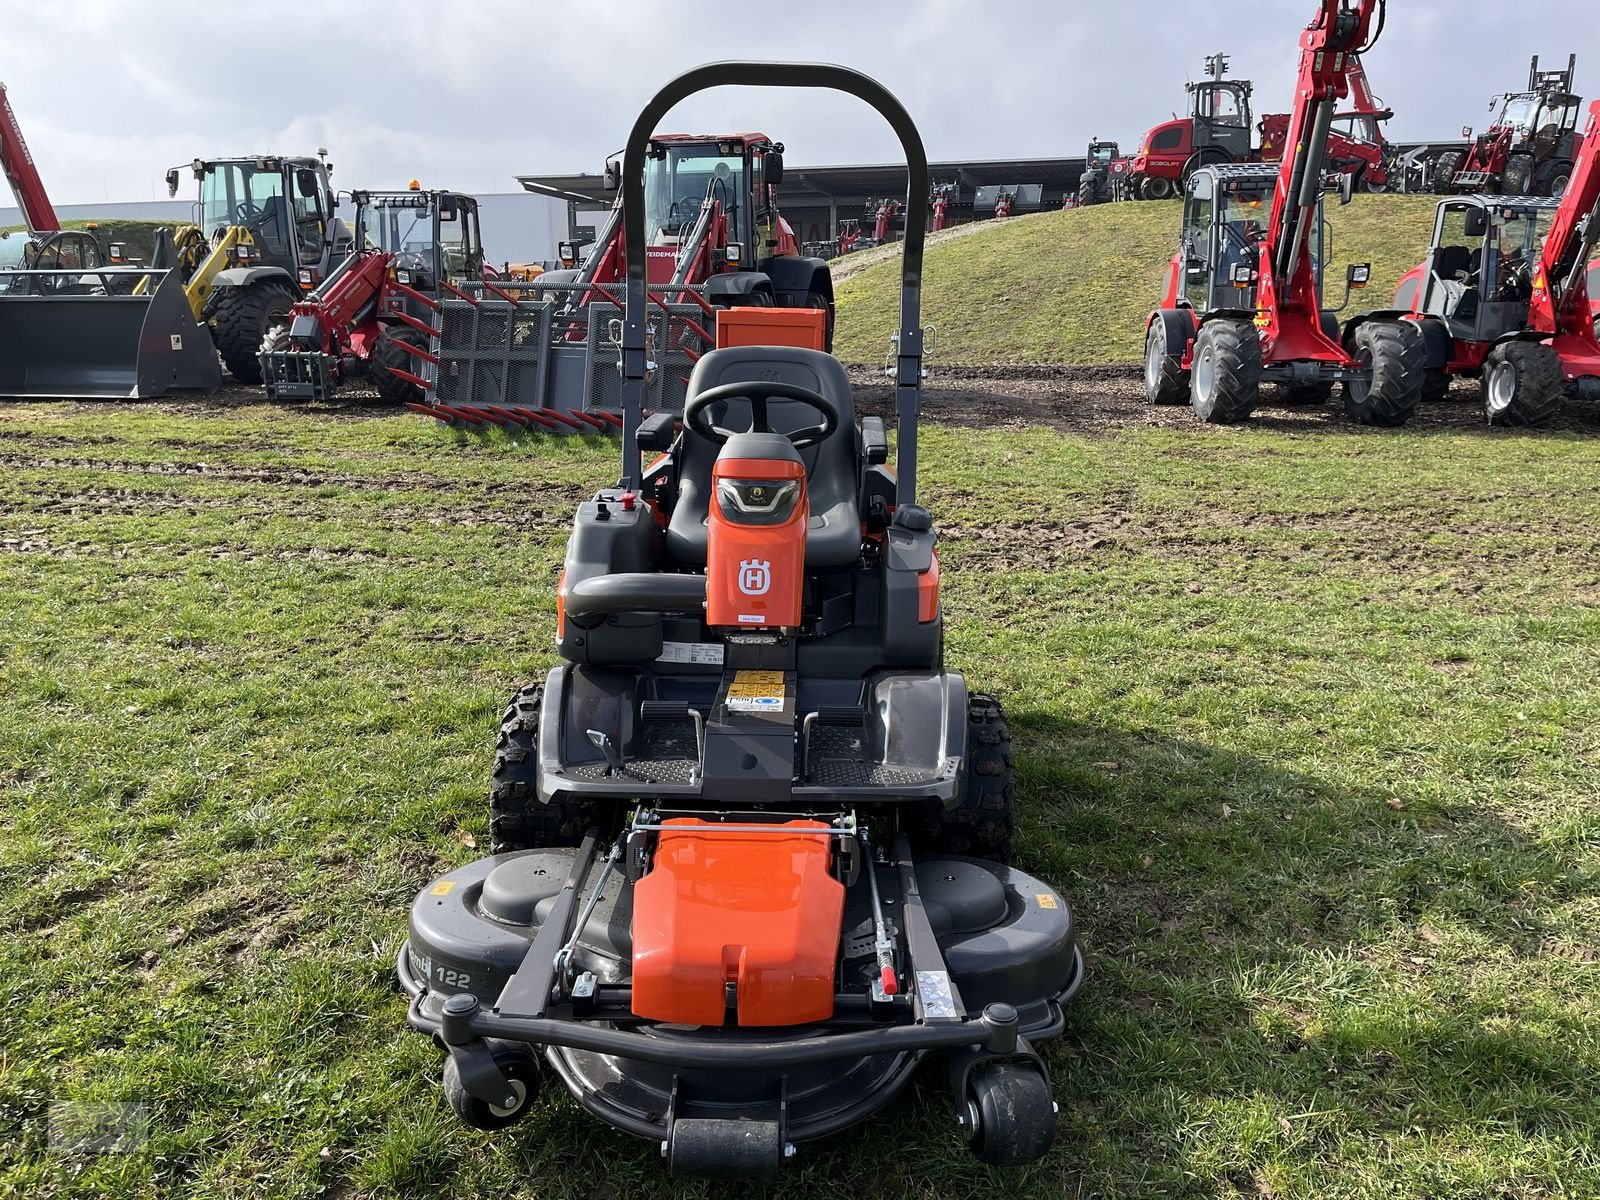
{"points": [[520, 1067], [1012, 1114]]}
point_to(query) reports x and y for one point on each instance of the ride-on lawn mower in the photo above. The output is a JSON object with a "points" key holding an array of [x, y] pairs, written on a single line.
{"points": [[751, 836]]}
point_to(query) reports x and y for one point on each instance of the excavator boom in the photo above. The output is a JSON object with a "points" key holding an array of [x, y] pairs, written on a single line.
{"points": [[23, 176]]}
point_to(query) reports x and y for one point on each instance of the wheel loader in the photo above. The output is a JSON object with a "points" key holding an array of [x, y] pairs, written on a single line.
{"points": [[265, 235]]}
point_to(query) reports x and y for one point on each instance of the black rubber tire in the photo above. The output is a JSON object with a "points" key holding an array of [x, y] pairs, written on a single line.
{"points": [[519, 1065], [1435, 385], [1517, 180], [1088, 190], [244, 315], [818, 300], [1016, 1113], [1444, 172], [1157, 188], [983, 823], [1305, 394], [387, 354], [517, 820], [1553, 179], [1225, 371], [1165, 380], [1399, 360], [1534, 397]]}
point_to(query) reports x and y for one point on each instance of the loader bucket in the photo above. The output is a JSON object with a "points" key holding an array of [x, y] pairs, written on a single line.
{"points": [[109, 345]]}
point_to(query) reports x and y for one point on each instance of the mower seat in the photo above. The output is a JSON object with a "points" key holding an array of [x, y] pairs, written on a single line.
{"points": [[833, 537]]}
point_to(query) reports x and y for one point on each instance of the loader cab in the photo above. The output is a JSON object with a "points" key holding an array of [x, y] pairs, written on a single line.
{"points": [[1226, 213], [1100, 154], [1221, 115], [285, 204], [739, 171], [1478, 277], [433, 235]]}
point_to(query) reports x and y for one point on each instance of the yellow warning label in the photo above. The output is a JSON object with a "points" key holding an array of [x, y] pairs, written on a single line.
{"points": [[1045, 899], [444, 888], [765, 684]]}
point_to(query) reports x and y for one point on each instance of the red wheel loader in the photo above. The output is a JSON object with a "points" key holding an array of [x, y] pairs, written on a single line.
{"points": [[1243, 300], [543, 356], [1505, 294], [373, 316], [751, 834], [1530, 148], [75, 322]]}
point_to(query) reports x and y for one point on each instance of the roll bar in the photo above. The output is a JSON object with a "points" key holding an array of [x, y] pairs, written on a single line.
{"points": [[908, 363]]}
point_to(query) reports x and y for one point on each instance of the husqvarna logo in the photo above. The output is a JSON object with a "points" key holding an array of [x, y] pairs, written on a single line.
{"points": [[755, 576]]}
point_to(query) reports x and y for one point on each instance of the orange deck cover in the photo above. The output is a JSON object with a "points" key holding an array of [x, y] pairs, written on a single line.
{"points": [[757, 910]]}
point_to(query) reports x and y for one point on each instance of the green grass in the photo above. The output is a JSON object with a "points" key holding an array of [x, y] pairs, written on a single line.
{"points": [[138, 236], [1076, 286], [1305, 727]]}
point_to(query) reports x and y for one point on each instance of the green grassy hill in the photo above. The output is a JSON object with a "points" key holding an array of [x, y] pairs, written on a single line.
{"points": [[138, 236], [1075, 286]]}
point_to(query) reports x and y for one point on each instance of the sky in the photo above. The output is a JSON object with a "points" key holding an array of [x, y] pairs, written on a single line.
{"points": [[469, 94]]}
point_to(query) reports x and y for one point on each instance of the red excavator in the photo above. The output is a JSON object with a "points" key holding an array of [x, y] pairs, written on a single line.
{"points": [[1504, 294], [544, 355], [1217, 130], [372, 316], [1243, 301]]}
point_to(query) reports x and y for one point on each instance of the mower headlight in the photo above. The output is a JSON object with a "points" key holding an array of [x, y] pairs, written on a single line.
{"points": [[758, 501]]}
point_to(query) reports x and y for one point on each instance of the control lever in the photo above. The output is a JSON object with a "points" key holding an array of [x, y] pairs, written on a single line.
{"points": [[614, 766]]}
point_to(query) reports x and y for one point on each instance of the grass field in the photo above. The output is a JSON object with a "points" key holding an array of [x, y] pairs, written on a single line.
{"points": [[1305, 726], [1076, 286]]}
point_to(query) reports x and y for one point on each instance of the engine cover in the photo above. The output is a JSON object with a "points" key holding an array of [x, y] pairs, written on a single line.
{"points": [[757, 911]]}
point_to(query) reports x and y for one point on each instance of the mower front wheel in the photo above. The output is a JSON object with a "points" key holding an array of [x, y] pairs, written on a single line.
{"points": [[517, 819], [1225, 375], [519, 1065], [1011, 1112], [982, 824], [1165, 380]]}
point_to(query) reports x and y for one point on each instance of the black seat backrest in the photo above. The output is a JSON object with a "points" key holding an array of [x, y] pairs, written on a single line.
{"points": [[1453, 260], [832, 466]]}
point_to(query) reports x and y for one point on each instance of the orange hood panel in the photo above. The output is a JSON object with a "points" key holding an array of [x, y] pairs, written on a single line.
{"points": [[759, 911]]}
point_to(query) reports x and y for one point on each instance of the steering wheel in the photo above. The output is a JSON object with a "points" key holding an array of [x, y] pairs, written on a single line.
{"points": [[697, 413], [684, 211], [246, 212]]}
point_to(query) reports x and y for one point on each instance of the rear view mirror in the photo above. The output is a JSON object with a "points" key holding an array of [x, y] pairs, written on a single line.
{"points": [[773, 164], [305, 180], [172, 182], [447, 208], [1476, 223], [613, 175], [1347, 187]]}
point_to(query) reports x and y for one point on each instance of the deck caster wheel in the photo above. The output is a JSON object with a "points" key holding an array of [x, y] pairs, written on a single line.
{"points": [[1010, 1116], [520, 1067]]}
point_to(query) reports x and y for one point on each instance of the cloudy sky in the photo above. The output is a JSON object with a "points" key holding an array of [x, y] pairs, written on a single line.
{"points": [[470, 93]]}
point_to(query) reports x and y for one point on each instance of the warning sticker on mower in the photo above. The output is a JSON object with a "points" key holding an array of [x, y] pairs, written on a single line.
{"points": [[756, 691], [703, 653], [1045, 899]]}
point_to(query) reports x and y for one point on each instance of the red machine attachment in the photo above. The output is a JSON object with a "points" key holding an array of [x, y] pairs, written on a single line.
{"points": [[757, 911]]}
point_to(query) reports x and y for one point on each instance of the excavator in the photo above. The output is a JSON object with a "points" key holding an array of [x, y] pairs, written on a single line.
{"points": [[1505, 294], [74, 321], [371, 317], [266, 234], [544, 355], [1243, 299]]}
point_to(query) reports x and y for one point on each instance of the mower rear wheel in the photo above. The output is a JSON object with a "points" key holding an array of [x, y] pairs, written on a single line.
{"points": [[1225, 371], [245, 315], [519, 1065], [517, 820], [1522, 384], [1013, 1113], [388, 354], [1398, 359], [1165, 380], [981, 825]]}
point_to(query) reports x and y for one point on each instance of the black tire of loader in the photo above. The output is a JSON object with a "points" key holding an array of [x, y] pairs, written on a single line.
{"points": [[818, 300], [517, 820], [982, 824], [245, 315], [1540, 384], [1399, 360], [391, 388]]}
